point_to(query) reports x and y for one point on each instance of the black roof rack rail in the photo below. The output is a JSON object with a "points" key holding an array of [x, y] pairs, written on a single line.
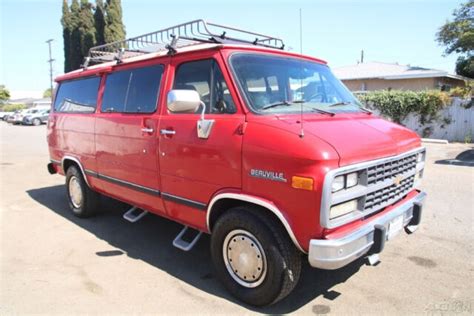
{"points": [[181, 35]]}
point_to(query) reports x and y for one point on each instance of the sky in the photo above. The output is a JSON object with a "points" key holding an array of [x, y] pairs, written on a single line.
{"points": [[334, 30]]}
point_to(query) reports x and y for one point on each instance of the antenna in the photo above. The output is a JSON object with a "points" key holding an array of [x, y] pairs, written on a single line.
{"points": [[301, 85]]}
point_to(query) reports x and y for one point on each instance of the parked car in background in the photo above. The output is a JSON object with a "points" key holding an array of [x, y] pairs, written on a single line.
{"points": [[36, 119], [4, 115], [18, 117], [11, 117]]}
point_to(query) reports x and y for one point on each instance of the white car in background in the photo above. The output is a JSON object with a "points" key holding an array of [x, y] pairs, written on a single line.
{"points": [[36, 119], [17, 117], [4, 115]]}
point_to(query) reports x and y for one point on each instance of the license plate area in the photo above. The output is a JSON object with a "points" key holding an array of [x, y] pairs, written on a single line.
{"points": [[395, 227]]}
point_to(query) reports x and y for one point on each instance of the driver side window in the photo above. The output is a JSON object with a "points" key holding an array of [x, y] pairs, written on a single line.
{"points": [[205, 77]]}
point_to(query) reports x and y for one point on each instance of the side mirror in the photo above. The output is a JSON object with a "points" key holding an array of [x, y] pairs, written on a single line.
{"points": [[183, 101], [188, 101]]}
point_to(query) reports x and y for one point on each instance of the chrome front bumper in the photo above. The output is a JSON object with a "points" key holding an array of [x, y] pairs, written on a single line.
{"points": [[331, 254]]}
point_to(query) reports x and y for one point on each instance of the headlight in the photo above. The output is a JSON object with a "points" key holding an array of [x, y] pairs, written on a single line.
{"points": [[420, 157], [343, 209], [352, 179], [338, 183], [345, 181]]}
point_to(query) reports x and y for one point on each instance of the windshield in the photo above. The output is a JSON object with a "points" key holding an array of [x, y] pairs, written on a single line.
{"points": [[275, 84]]}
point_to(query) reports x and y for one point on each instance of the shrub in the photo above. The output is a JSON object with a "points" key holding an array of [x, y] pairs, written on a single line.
{"points": [[12, 107], [461, 92], [397, 104]]}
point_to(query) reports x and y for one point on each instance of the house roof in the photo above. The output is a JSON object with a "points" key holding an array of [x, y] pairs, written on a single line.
{"points": [[388, 71]]}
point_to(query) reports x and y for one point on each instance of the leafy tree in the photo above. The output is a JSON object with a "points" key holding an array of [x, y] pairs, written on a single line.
{"points": [[458, 37], [99, 21], [47, 93], [4, 94], [114, 28], [66, 23]]}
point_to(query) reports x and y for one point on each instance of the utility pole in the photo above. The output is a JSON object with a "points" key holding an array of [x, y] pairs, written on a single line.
{"points": [[362, 56], [50, 61]]}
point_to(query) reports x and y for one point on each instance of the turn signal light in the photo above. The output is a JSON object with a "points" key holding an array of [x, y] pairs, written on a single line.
{"points": [[302, 183]]}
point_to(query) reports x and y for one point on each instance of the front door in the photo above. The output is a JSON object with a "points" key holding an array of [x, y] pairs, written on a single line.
{"points": [[194, 169], [127, 138]]}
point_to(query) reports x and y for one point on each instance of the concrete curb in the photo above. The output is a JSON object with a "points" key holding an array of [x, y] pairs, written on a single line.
{"points": [[435, 141]]}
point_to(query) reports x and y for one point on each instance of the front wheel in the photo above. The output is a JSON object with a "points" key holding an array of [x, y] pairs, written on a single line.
{"points": [[254, 257], [36, 122]]}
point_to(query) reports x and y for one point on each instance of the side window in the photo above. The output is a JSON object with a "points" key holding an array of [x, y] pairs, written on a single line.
{"points": [[133, 90], [77, 96], [206, 78]]}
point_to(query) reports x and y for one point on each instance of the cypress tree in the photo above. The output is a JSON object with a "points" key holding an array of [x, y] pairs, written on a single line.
{"points": [[114, 28], [75, 47], [66, 23], [87, 28], [99, 21]]}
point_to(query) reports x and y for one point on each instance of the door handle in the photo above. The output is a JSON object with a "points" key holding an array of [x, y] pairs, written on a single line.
{"points": [[147, 130], [167, 132]]}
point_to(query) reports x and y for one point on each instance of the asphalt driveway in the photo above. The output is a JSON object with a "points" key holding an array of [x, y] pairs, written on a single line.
{"points": [[54, 263]]}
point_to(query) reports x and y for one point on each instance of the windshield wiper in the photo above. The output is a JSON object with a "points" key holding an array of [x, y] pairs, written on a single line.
{"points": [[348, 102], [323, 111], [340, 103], [276, 104]]}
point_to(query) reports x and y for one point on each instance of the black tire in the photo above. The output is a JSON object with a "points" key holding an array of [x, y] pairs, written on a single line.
{"points": [[90, 199], [283, 260], [36, 122]]}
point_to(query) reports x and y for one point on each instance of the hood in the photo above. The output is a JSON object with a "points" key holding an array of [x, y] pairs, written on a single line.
{"points": [[356, 137]]}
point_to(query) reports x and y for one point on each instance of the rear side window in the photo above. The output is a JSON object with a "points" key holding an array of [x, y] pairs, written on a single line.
{"points": [[77, 96], [133, 90]]}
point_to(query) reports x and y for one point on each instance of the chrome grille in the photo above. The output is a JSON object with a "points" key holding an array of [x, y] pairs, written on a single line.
{"points": [[388, 195], [390, 169]]}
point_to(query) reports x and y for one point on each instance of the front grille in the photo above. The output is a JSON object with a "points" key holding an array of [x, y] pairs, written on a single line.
{"points": [[383, 197], [390, 169]]}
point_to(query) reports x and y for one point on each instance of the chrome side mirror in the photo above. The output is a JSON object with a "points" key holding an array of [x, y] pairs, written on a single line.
{"points": [[183, 101], [188, 101]]}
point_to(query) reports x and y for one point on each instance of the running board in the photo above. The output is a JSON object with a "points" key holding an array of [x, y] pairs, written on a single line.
{"points": [[374, 259], [134, 214], [185, 245]]}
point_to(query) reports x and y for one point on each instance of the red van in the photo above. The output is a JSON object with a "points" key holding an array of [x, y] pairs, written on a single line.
{"points": [[225, 132]]}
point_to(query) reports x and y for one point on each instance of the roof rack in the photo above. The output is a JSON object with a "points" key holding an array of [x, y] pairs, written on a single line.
{"points": [[186, 34]]}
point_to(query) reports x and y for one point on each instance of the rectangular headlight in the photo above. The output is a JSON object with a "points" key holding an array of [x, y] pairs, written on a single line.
{"points": [[338, 183], [352, 179], [343, 209]]}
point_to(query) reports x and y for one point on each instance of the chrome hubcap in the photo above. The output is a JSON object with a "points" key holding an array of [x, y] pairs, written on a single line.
{"points": [[75, 192], [244, 258]]}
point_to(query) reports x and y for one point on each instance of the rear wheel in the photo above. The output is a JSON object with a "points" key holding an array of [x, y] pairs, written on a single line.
{"points": [[82, 200], [254, 257]]}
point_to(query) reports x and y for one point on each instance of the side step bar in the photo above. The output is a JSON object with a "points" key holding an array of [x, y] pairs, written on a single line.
{"points": [[134, 214], [185, 245]]}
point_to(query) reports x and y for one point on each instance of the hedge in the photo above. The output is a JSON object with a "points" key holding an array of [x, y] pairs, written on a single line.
{"points": [[12, 107], [397, 104]]}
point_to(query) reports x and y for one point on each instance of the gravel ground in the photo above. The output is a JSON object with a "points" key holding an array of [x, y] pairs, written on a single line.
{"points": [[54, 263]]}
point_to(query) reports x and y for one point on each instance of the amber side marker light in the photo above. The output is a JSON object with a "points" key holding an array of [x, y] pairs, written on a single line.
{"points": [[302, 183]]}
